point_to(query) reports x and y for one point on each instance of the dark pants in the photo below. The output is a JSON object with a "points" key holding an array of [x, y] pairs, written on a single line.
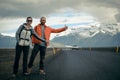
{"points": [[19, 50], [35, 50]]}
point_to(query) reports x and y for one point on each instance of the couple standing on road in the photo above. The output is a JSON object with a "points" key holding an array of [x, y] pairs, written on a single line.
{"points": [[40, 40]]}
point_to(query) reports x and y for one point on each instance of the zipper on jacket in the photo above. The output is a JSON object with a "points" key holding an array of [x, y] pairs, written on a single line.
{"points": [[25, 37]]}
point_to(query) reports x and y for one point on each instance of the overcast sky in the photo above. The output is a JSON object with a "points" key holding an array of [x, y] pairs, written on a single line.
{"points": [[58, 12]]}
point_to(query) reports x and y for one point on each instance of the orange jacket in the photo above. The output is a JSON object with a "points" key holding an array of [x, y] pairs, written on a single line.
{"points": [[47, 31]]}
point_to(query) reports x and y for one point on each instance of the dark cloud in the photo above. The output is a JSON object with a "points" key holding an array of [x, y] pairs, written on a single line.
{"points": [[37, 8]]}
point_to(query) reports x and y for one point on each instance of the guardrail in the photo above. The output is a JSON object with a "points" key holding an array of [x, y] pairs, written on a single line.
{"points": [[111, 49]]}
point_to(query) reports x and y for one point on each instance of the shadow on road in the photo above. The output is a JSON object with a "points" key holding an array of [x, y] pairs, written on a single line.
{"points": [[33, 76]]}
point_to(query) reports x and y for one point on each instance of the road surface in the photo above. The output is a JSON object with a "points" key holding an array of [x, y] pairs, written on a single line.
{"points": [[79, 65]]}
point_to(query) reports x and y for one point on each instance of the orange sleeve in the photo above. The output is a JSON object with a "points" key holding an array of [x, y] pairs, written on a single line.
{"points": [[57, 30]]}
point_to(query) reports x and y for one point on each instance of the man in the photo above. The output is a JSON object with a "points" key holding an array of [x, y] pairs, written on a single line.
{"points": [[43, 31]]}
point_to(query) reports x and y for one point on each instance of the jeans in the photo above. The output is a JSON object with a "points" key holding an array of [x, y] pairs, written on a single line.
{"points": [[35, 50], [19, 50]]}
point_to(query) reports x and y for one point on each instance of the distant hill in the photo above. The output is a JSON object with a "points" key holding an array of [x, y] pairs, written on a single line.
{"points": [[99, 40], [7, 41]]}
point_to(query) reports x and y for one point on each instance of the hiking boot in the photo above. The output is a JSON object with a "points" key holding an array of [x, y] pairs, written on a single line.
{"points": [[29, 70], [26, 74], [42, 72], [13, 75]]}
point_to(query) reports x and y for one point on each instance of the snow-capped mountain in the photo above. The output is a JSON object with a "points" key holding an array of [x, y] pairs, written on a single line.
{"points": [[8, 34], [90, 31], [94, 36]]}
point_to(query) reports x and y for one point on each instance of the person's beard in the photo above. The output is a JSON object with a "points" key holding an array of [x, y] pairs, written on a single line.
{"points": [[42, 23]]}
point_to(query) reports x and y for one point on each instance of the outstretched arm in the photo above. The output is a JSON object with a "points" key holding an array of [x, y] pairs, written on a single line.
{"points": [[59, 30]]}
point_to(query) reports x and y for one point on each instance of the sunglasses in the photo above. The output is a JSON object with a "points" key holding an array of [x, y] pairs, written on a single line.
{"points": [[29, 20]]}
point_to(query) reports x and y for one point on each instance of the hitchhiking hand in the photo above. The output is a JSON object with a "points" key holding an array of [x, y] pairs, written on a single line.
{"points": [[32, 44], [66, 27]]}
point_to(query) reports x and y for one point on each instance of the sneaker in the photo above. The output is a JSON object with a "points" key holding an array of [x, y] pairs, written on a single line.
{"points": [[29, 70], [26, 74], [42, 72], [13, 75]]}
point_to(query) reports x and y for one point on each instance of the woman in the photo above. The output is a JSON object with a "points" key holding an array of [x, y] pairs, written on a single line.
{"points": [[23, 36]]}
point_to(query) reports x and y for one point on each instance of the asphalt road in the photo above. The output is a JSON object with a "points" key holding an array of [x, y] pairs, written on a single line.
{"points": [[79, 65]]}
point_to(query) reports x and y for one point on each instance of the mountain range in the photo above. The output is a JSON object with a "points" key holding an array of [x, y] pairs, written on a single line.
{"points": [[107, 35], [7, 41], [91, 36]]}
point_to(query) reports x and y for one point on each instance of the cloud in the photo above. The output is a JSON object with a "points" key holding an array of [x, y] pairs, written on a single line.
{"points": [[11, 24], [23, 8], [103, 10], [70, 18], [55, 21]]}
